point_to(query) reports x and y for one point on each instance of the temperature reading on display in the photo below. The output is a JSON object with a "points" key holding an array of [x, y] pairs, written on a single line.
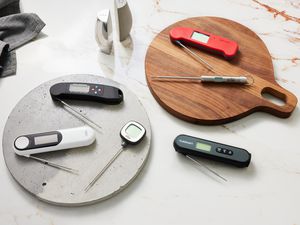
{"points": [[79, 88], [200, 37], [41, 140], [202, 146], [133, 131]]}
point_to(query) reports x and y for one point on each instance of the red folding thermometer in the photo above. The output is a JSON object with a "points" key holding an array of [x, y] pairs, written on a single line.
{"points": [[204, 40]]}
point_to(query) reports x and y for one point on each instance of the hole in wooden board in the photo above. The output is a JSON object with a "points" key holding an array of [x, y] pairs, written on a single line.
{"points": [[274, 99]]}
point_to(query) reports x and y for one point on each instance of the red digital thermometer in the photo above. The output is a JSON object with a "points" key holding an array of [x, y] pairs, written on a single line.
{"points": [[203, 40]]}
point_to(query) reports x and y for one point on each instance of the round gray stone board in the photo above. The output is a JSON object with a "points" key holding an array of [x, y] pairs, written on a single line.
{"points": [[37, 112]]}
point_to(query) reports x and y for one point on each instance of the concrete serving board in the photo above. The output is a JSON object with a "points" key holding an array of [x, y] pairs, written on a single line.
{"points": [[37, 112]]}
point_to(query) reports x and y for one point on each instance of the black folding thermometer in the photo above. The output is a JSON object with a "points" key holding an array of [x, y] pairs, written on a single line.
{"points": [[188, 145], [87, 91]]}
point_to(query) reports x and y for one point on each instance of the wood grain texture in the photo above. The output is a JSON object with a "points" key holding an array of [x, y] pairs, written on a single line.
{"points": [[208, 103]]}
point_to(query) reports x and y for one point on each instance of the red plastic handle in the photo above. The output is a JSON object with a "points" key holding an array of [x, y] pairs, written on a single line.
{"points": [[204, 40]]}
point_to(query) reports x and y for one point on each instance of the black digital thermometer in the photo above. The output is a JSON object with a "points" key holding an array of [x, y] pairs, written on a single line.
{"points": [[189, 145], [87, 91]]}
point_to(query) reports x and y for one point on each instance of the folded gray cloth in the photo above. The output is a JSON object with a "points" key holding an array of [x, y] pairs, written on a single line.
{"points": [[15, 30], [8, 7]]}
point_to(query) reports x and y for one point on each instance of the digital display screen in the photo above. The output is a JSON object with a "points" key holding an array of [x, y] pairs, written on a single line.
{"points": [[200, 37], [41, 140], [79, 88], [133, 131], [202, 146]]}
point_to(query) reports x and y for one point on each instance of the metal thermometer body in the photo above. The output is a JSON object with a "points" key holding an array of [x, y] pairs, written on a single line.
{"points": [[204, 40], [87, 91], [139, 130], [28, 144], [189, 145]]}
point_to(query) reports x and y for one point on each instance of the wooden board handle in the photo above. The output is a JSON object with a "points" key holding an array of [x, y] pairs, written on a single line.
{"points": [[287, 97]]}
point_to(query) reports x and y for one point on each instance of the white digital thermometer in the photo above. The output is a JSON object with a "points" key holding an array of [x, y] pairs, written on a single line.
{"points": [[54, 140]]}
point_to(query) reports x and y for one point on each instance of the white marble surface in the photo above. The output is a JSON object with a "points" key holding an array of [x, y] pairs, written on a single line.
{"points": [[170, 190]]}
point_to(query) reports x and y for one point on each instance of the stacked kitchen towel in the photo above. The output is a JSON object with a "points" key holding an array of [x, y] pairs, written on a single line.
{"points": [[16, 29]]}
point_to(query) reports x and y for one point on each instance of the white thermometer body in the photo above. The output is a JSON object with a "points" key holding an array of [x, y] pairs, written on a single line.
{"points": [[54, 140]]}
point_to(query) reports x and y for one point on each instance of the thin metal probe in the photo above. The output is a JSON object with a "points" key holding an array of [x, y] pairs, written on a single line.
{"points": [[91, 184], [46, 162], [206, 167], [208, 66], [209, 78], [78, 113], [178, 77]]}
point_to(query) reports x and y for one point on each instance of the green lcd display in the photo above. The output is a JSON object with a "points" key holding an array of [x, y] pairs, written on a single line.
{"points": [[200, 37], [202, 146], [133, 131]]}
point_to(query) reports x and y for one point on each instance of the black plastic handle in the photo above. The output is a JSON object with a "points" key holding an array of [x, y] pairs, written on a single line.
{"points": [[87, 91], [189, 145]]}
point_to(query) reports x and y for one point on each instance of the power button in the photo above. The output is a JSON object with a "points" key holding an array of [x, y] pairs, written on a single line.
{"points": [[21, 142]]}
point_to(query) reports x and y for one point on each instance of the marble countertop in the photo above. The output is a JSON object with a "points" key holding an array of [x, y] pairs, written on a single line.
{"points": [[170, 189]]}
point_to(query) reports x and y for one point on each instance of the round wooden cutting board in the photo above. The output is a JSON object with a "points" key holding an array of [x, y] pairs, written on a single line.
{"points": [[208, 103]]}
